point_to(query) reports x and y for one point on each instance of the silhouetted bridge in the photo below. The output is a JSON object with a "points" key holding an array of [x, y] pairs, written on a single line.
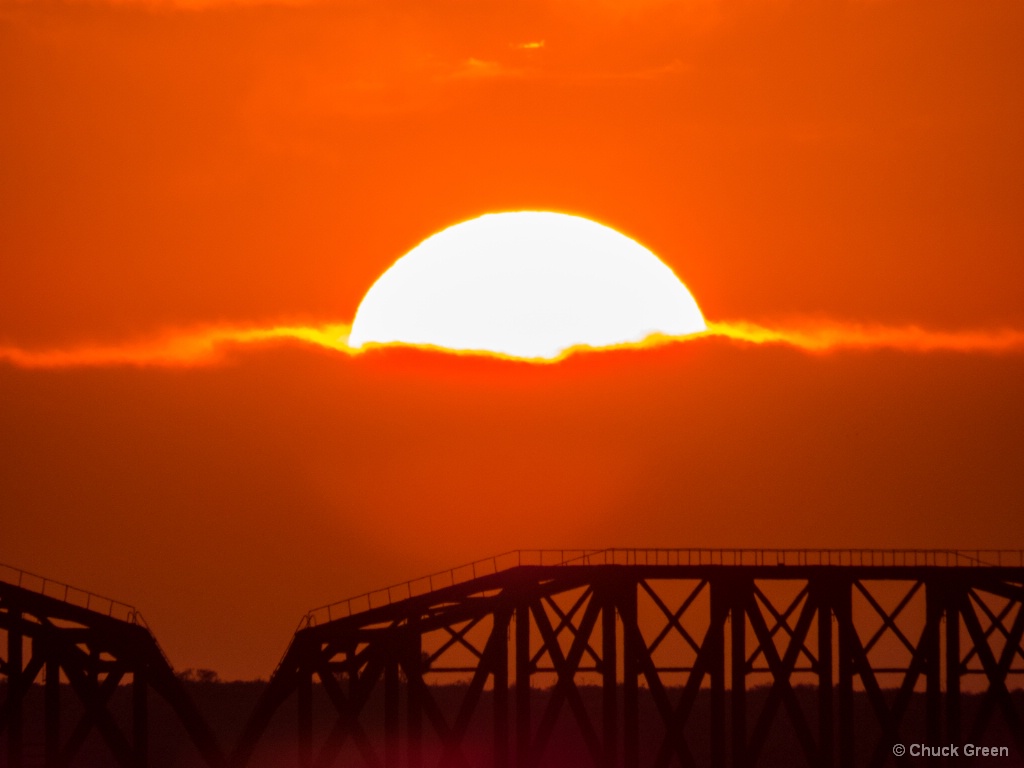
{"points": [[92, 643], [644, 657]]}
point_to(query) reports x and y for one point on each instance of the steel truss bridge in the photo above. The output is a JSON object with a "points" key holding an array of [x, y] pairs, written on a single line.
{"points": [[90, 643], [632, 657]]}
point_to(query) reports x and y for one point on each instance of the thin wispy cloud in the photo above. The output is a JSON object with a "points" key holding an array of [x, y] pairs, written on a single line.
{"points": [[479, 69], [176, 349], [193, 6], [826, 336], [212, 346]]}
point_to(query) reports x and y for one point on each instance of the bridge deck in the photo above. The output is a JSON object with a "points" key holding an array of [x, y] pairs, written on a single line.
{"points": [[850, 558]]}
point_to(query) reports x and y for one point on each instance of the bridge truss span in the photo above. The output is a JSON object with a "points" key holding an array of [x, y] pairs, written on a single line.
{"points": [[660, 660], [61, 637]]}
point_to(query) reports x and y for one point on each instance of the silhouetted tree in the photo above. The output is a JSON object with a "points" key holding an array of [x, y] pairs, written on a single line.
{"points": [[199, 676]]}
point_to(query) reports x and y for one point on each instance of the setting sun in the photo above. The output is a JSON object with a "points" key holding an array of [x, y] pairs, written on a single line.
{"points": [[303, 298], [526, 284]]}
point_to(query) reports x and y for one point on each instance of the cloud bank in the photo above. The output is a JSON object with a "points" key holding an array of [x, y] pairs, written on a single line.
{"points": [[211, 346]]}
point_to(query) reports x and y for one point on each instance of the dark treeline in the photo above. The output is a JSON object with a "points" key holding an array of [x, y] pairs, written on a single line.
{"points": [[227, 705]]}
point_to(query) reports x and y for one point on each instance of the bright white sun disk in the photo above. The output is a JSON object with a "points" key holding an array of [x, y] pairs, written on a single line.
{"points": [[526, 284]]}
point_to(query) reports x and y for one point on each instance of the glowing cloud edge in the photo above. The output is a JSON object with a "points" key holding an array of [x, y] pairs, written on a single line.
{"points": [[213, 345]]}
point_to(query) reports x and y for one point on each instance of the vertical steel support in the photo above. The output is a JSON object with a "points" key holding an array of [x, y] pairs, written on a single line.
{"points": [[952, 605], [630, 675], [715, 647], [738, 674], [933, 661], [414, 696], [51, 708], [500, 645], [842, 594], [15, 667], [93, 669], [822, 594], [609, 679], [523, 685], [351, 664], [140, 716], [392, 748], [304, 705]]}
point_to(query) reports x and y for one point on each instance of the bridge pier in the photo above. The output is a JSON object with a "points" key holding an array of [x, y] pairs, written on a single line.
{"points": [[502, 755], [630, 675], [51, 707], [722, 601], [140, 717], [953, 656], [822, 595], [392, 747], [609, 679], [931, 640], [414, 697], [304, 714], [738, 677], [842, 609], [523, 670], [15, 690]]}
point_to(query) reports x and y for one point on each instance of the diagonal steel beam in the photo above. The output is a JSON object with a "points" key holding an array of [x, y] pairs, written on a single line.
{"points": [[888, 619], [782, 670], [347, 723], [996, 671], [565, 688], [674, 617]]}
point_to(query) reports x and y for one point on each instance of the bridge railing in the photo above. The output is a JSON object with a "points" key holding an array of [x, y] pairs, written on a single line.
{"points": [[441, 579], [66, 593], [947, 558], [975, 558]]}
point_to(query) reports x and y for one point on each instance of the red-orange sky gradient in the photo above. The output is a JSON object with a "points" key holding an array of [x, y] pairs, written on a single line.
{"points": [[195, 195]]}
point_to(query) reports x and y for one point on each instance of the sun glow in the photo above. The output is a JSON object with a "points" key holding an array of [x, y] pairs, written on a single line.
{"points": [[526, 284]]}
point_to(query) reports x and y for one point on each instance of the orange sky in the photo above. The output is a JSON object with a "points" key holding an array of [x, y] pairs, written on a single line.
{"points": [[842, 179]]}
